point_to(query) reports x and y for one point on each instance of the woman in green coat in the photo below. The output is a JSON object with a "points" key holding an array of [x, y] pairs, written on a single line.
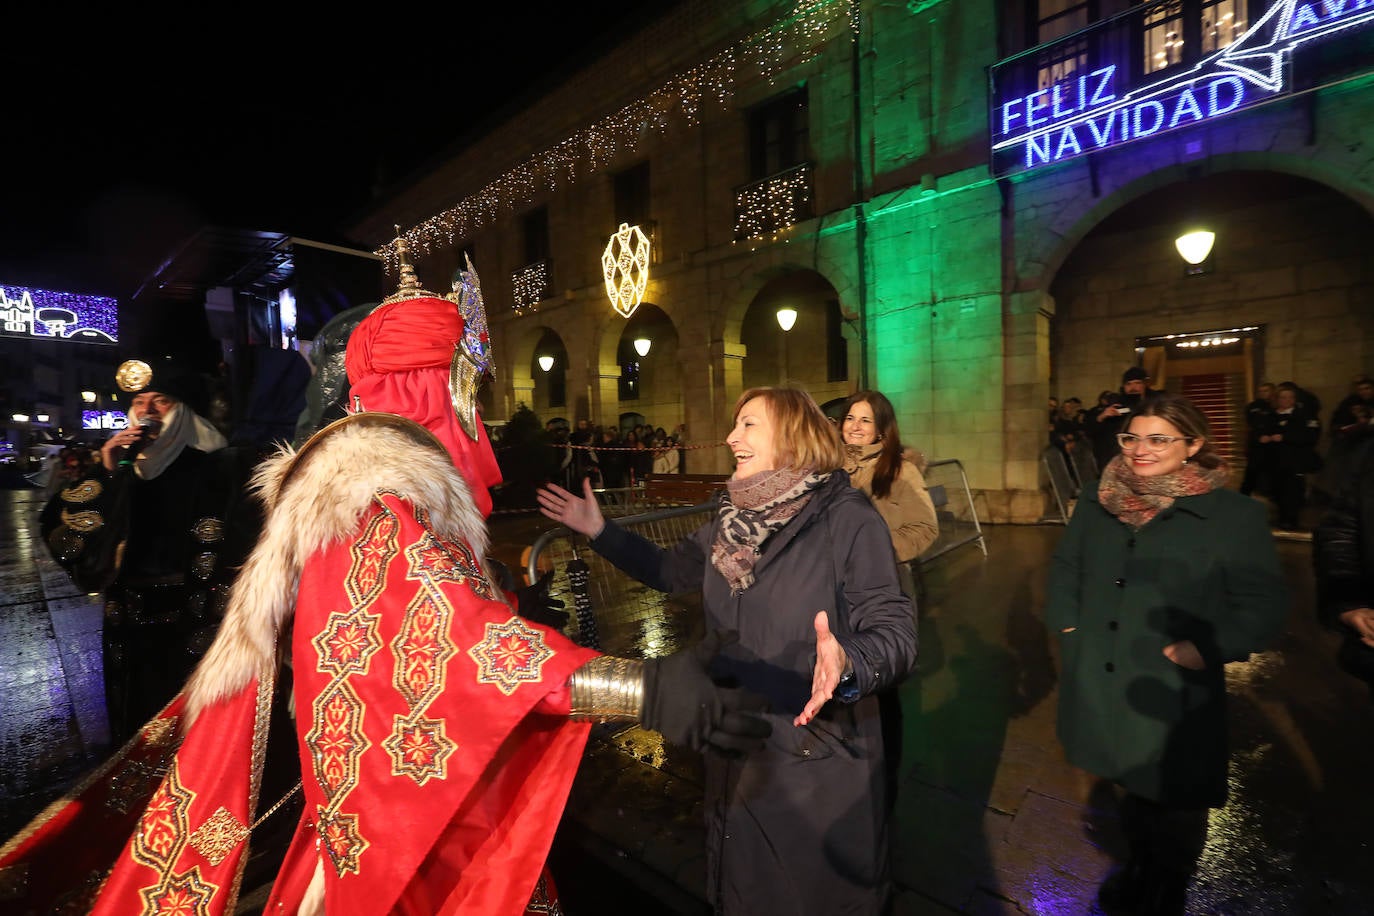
{"points": [[1162, 577]]}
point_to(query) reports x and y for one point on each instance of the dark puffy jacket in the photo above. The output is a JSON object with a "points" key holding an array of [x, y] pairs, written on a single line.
{"points": [[801, 826]]}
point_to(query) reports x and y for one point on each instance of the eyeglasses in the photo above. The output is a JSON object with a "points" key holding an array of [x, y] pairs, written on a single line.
{"points": [[1154, 443]]}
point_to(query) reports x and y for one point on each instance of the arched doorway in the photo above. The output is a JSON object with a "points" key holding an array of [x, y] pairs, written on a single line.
{"points": [[795, 332], [1284, 295]]}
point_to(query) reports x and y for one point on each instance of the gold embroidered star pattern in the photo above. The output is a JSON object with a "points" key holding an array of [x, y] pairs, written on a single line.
{"points": [[511, 654]]}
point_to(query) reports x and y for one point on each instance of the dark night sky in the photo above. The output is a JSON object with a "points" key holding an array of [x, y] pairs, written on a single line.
{"points": [[114, 149]]}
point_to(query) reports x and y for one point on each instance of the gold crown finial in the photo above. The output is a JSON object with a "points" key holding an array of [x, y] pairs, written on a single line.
{"points": [[410, 284]]}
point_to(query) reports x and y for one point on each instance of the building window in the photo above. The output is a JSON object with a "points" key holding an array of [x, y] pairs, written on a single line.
{"points": [[631, 188], [1184, 31], [532, 282], [779, 135], [1055, 19], [629, 380], [535, 227], [1223, 21], [629, 368]]}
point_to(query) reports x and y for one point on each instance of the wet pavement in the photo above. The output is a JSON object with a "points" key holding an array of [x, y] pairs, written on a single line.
{"points": [[989, 817]]}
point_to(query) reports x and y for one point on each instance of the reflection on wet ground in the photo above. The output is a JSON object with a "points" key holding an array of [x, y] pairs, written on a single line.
{"points": [[989, 818]]}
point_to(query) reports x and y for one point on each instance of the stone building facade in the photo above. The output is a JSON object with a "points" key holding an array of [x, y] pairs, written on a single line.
{"points": [[837, 157]]}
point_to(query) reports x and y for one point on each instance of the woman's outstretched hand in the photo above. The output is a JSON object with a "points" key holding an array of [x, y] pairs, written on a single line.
{"points": [[825, 677], [581, 514]]}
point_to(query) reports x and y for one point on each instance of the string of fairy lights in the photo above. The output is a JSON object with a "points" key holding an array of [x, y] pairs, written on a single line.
{"points": [[773, 204], [529, 285], [796, 37]]}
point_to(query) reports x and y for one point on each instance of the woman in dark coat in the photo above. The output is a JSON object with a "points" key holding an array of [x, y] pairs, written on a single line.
{"points": [[1162, 577], [799, 564]]}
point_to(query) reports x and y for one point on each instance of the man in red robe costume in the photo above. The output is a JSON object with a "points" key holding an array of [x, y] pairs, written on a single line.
{"points": [[438, 732]]}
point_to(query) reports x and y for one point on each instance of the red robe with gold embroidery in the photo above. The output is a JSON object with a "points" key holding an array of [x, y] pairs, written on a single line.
{"points": [[435, 746]]}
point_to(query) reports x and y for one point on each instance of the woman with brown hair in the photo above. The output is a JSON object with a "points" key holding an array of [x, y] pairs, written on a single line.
{"points": [[797, 567], [874, 461], [1162, 577]]}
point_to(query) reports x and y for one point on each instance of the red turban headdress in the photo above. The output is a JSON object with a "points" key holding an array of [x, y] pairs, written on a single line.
{"points": [[398, 362]]}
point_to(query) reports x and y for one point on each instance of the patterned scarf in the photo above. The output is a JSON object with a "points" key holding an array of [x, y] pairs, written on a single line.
{"points": [[753, 509], [1135, 500]]}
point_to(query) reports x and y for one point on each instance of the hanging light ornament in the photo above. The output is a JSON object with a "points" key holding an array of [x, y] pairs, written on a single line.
{"points": [[625, 264]]}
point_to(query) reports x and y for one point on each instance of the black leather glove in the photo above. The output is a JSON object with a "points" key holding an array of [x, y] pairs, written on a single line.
{"points": [[684, 704], [533, 602]]}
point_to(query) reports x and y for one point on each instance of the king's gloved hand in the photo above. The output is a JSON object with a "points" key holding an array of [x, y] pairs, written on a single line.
{"points": [[533, 602], [687, 706]]}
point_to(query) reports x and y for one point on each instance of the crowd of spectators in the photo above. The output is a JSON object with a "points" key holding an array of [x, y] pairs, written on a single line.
{"points": [[1287, 444], [613, 456]]}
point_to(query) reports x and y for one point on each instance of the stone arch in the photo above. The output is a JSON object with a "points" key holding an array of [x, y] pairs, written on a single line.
{"points": [[800, 355], [529, 384], [658, 375], [1291, 263], [1052, 243], [741, 299]]}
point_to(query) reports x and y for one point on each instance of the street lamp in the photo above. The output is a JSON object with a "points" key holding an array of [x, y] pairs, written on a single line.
{"points": [[546, 363], [1195, 246], [787, 317], [642, 345]]}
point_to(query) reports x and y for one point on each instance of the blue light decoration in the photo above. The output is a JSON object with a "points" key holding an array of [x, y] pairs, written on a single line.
{"points": [[1090, 111], [47, 315], [106, 420]]}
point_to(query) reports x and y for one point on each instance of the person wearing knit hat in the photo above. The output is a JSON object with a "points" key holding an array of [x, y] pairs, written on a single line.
{"points": [[437, 731], [1104, 421], [160, 525]]}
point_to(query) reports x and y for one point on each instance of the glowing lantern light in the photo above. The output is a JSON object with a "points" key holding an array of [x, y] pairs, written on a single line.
{"points": [[1195, 246], [625, 264]]}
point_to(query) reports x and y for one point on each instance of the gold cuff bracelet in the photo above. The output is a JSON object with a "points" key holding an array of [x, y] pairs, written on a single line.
{"points": [[608, 689]]}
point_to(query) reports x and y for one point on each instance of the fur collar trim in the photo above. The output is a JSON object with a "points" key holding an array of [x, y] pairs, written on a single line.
{"points": [[328, 490]]}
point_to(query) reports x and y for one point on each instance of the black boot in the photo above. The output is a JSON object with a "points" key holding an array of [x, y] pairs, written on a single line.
{"points": [[1124, 888]]}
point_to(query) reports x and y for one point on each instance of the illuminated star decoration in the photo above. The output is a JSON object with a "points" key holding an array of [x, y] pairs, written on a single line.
{"points": [[625, 263], [511, 654]]}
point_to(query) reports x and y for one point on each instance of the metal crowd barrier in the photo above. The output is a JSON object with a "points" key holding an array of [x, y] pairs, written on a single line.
{"points": [[612, 612], [622, 616], [1066, 479], [948, 487]]}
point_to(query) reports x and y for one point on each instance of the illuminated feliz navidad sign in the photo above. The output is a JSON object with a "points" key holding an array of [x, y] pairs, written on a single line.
{"points": [[1092, 110]]}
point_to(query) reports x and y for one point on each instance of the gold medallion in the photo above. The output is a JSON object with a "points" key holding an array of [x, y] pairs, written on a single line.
{"points": [[133, 375]]}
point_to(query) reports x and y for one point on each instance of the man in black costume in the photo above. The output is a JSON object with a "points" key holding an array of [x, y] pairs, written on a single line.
{"points": [[160, 524]]}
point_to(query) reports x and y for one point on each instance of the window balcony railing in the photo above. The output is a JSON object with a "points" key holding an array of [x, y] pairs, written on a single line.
{"points": [[531, 285], [771, 205]]}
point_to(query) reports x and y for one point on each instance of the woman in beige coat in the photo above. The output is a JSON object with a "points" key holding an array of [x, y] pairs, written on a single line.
{"points": [[895, 486]]}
